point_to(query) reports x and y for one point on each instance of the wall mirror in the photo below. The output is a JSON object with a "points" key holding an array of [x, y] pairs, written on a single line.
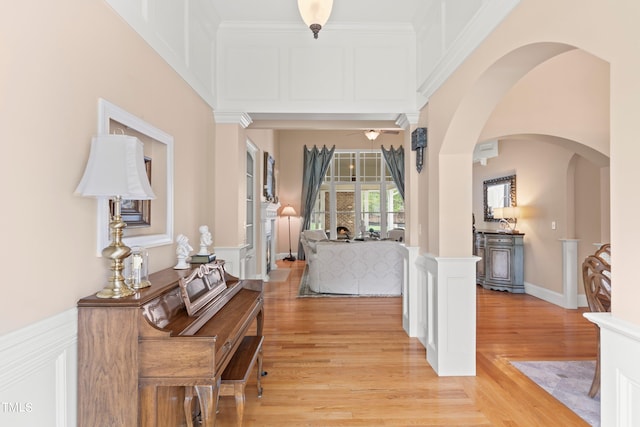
{"points": [[498, 193]]}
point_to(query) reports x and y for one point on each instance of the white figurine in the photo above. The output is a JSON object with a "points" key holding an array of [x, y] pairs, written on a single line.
{"points": [[182, 252], [205, 240]]}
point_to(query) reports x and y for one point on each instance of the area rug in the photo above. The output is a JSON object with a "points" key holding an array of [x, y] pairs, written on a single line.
{"points": [[305, 292], [567, 381], [279, 275]]}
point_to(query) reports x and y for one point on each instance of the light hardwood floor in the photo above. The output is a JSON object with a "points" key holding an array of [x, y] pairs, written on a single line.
{"points": [[348, 362]]}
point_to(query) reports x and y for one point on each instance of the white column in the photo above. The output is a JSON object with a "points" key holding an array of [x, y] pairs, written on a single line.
{"points": [[570, 273], [450, 314]]}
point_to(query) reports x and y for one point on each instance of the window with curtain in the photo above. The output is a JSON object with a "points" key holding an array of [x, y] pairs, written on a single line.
{"points": [[358, 194]]}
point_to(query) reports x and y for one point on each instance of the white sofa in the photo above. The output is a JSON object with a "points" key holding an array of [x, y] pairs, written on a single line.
{"points": [[355, 268]]}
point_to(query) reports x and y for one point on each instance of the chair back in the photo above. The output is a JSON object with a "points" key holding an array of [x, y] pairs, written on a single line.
{"points": [[596, 275]]}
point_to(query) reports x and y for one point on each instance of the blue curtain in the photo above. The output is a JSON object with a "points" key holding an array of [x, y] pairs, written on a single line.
{"points": [[395, 162], [316, 163]]}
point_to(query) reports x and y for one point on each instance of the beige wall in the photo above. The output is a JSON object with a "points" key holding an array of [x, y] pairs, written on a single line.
{"points": [[53, 68], [460, 109]]}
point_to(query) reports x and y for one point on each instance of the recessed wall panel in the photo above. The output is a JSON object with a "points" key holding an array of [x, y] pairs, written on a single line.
{"points": [[201, 55], [167, 18], [317, 74], [430, 44], [457, 17], [250, 74], [381, 73]]}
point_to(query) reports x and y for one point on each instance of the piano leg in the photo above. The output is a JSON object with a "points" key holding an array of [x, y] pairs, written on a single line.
{"points": [[208, 398], [188, 400], [260, 373], [148, 399], [259, 322]]}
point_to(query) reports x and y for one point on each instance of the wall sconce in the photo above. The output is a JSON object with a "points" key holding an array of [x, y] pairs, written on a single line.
{"points": [[418, 144], [315, 13], [507, 215], [115, 170]]}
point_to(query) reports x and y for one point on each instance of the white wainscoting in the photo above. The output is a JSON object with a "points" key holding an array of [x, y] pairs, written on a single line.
{"points": [[619, 370], [38, 378], [236, 261], [450, 328], [412, 292]]}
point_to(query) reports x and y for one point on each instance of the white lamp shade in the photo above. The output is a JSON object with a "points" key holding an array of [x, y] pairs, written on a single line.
{"points": [[511, 212], [116, 168], [288, 211], [506, 213], [315, 11]]}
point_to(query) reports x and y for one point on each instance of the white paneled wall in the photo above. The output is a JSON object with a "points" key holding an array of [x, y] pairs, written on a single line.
{"points": [[278, 68], [38, 379], [271, 70]]}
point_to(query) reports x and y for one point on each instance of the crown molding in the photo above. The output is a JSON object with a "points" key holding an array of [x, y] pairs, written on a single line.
{"points": [[233, 117], [405, 120]]}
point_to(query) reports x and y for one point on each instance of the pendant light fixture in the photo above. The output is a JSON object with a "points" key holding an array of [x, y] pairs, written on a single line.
{"points": [[315, 13]]}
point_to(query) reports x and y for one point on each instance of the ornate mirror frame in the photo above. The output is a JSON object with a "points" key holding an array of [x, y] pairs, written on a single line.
{"points": [[488, 210]]}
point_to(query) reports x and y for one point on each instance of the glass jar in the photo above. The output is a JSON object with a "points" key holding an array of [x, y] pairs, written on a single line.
{"points": [[136, 268]]}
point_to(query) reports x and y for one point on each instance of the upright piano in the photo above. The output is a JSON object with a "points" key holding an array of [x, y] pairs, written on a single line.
{"points": [[138, 355]]}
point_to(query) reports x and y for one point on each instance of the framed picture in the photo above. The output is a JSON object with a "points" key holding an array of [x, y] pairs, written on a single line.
{"points": [[269, 179], [136, 213]]}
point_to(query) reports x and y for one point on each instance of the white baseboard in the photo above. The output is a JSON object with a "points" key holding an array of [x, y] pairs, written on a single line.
{"points": [[38, 374], [551, 296]]}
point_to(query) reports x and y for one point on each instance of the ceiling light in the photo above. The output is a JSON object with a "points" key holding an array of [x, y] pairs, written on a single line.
{"points": [[371, 134], [315, 13]]}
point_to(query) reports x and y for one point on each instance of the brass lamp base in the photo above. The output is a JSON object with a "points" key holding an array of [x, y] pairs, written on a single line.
{"points": [[117, 251], [115, 293]]}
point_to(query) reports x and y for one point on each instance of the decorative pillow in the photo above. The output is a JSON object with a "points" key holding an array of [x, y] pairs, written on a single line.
{"points": [[314, 235]]}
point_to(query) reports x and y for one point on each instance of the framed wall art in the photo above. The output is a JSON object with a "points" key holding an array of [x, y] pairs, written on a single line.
{"points": [[269, 177]]}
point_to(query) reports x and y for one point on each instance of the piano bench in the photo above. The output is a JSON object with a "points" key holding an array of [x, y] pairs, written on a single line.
{"points": [[236, 374]]}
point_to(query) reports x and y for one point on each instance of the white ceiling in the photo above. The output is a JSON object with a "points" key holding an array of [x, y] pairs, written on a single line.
{"points": [[343, 12]]}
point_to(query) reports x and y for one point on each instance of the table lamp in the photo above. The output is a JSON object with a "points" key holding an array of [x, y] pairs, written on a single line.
{"points": [[116, 171], [504, 215]]}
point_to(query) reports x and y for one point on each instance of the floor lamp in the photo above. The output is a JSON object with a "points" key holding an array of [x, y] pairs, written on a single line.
{"points": [[288, 211]]}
